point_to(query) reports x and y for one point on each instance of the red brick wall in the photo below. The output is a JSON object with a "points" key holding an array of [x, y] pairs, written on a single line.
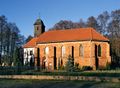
{"points": [[89, 53]]}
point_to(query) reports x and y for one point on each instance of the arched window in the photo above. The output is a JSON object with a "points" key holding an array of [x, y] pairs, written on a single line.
{"points": [[46, 50], [63, 51], [72, 51], [99, 50], [81, 51]]}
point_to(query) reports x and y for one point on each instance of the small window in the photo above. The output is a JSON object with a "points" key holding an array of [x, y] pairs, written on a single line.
{"points": [[37, 28], [81, 51], [26, 53], [31, 52], [99, 51], [63, 51]]}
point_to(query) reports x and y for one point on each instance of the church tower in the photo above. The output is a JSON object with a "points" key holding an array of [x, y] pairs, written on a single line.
{"points": [[39, 27]]}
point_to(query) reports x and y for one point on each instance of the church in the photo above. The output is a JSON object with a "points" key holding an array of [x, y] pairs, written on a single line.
{"points": [[50, 50]]}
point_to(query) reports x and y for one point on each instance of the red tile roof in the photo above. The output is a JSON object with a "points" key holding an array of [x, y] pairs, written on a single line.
{"points": [[79, 34], [31, 43], [71, 35]]}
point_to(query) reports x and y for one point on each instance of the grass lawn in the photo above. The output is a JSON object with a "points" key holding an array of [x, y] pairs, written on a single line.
{"points": [[13, 83]]}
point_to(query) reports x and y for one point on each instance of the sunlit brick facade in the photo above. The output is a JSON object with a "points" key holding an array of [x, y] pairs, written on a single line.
{"points": [[89, 58]]}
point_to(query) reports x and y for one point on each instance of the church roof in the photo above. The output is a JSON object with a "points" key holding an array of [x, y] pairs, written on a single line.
{"points": [[79, 34], [31, 43]]}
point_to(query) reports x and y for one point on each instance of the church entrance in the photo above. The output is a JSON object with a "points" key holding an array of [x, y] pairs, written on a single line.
{"points": [[96, 57], [55, 59]]}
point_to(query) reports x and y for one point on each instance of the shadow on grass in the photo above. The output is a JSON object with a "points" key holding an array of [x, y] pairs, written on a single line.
{"points": [[10, 83]]}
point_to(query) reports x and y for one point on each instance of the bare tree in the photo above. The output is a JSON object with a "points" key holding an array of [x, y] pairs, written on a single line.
{"points": [[92, 22], [10, 38], [103, 20]]}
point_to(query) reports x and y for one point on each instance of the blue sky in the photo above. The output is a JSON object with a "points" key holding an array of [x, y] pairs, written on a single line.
{"points": [[25, 12]]}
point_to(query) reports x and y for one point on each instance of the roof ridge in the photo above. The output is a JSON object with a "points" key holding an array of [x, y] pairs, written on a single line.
{"points": [[71, 29]]}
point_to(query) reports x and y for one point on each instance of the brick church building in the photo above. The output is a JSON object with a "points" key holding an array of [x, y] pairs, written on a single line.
{"points": [[52, 48]]}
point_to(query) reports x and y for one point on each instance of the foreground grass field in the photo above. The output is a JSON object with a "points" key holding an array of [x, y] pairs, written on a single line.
{"points": [[11, 83]]}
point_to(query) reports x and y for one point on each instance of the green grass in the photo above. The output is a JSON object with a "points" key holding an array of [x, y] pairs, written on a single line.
{"points": [[10, 83]]}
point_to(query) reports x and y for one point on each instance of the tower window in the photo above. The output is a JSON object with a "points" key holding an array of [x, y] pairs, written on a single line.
{"points": [[37, 28]]}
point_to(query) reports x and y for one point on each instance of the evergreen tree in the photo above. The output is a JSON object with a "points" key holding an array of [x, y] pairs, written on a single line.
{"points": [[17, 62], [70, 64]]}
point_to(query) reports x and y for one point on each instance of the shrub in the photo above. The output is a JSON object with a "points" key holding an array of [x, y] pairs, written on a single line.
{"points": [[108, 66], [60, 67], [17, 62], [87, 68], [77, 67]]}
